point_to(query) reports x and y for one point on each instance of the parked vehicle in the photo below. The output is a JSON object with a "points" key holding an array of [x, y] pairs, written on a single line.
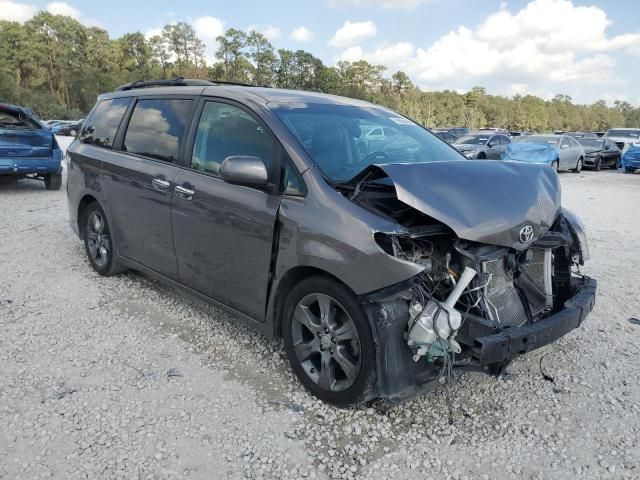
{"points": [[503, 131], [623, 137], [516, 133], [577, 135], [631, 159], [561, 152], [458, 131], [27, 148], [600, 153], [375, 268], [69, 130], [481, 145], [445, 135]]}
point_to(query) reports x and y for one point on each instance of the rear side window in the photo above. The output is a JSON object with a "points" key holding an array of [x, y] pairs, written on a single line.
{"points": [[12, 120], [156, 128], [226, 130], [101, 127]]}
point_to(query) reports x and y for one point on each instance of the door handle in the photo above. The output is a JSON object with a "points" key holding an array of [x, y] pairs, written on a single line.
{"points": [[160, 184], [184, 193]]}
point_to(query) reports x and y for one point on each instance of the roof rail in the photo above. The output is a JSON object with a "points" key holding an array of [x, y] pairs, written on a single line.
{"points": [[233, 82], [174, 82]]}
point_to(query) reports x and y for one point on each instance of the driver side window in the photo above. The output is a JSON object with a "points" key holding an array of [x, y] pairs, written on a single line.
{"points": [[226, 130]]}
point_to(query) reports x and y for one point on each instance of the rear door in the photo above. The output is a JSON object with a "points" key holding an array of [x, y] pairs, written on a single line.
{"points": [[493, 147], [566, 154], [139, 180], [223, 233]]}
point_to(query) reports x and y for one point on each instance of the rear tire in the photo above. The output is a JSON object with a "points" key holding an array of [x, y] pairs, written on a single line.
{"points": [[329, 343], [482, 156], [616, 164], [53, 181], [98, 243], [578, 168]]}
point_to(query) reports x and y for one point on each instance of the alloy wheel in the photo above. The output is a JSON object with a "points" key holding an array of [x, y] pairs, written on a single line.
{"points": [[98, 240], [326, 342]]}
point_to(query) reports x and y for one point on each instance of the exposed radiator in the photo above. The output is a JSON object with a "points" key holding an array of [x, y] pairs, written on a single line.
{"points": [[504, 305], [536, 280]]}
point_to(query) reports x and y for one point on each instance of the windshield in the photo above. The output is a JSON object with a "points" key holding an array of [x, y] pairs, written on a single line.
{"points": [[473, 139], [550, 139], [619, 132], [343, 139], [591, 142]]}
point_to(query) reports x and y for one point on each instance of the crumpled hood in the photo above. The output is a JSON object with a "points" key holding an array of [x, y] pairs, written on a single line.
{"points": [[591, 150], [487, 201]]}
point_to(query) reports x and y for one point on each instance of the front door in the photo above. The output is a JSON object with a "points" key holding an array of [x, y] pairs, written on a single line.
{"points": [[223, 233], [139, 182]]}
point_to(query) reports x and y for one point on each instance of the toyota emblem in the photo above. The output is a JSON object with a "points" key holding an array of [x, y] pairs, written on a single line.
{"points": [[526, 234]]}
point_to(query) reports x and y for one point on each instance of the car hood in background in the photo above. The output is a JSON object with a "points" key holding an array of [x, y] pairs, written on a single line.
{"points": [[465, 147], [592, 150], [484, 201], [531, 152]]}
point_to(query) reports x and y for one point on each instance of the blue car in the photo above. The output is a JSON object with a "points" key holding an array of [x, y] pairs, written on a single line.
{"points": [[631, 159], [27, 148]]}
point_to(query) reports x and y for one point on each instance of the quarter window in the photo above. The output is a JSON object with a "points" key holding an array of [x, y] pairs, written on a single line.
{"points": [[291, 182], [101, 127], [226, 130], [157, 127]]}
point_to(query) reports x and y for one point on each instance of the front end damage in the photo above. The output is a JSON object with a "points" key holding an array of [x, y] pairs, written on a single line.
{"points": [[475, 305]]}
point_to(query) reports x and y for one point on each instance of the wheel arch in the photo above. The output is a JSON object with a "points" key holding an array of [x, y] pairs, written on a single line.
{"points": [[84, 203], [289, 279]]}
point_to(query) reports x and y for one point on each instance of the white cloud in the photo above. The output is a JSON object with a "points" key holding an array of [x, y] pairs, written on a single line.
{"points": [[207, 29], [16, 12], [152, 32], [269, 31], [302, 34], [62, 8], [352, 54], [376, 3], [352, 33], [551, 41], [396, 56]]}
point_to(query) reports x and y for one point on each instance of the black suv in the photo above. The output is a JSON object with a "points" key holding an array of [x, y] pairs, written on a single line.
{"points": [[382, 261]]}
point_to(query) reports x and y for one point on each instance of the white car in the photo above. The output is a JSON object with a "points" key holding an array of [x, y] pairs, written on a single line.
{"points": [[623, 137]]}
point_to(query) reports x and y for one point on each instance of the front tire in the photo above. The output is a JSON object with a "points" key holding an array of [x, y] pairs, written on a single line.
{"points": [[598, 165], [556, 166], [98, 243], [53, 181], [578, 168], [616, 164], [329, 343], [482, 156]]}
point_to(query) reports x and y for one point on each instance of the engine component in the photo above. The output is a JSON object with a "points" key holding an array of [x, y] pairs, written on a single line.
{"points": [[502, 301], [432, 329]]}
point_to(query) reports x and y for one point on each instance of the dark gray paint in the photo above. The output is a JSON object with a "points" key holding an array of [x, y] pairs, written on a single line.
{"points": [[486, 202]]}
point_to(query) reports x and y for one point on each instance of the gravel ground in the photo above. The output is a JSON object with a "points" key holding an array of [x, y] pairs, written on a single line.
{"points": [[123, 378]]}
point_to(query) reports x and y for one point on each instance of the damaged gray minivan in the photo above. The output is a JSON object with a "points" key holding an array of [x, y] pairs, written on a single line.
{"points": [[381, 260]]}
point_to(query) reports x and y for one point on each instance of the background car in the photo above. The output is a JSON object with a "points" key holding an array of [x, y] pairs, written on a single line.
{"points": [[27, 148], [517, 133], [623, 137], [561, 152], [631, 159], [599, 153], [445, 135], [582, 134], [458, 131], [481, 145], [503, 131], [69, 130]]}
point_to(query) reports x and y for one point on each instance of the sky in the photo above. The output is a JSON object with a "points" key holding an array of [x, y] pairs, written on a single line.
{"points": [[589, 50]]}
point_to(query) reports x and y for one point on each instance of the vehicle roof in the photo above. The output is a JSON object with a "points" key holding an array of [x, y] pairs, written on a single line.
{"points": [[262, 95]]}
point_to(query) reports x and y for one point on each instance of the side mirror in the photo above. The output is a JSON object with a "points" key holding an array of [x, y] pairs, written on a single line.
{"points": [[244, 170]]}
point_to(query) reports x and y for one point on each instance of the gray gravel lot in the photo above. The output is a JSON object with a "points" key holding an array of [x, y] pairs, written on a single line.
{"points": [[123, 378]]}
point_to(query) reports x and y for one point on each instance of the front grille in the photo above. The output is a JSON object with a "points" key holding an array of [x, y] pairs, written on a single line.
{"points": [[620, 145], [504, 305]]}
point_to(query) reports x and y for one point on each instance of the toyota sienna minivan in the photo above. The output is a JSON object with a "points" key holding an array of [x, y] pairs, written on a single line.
{"points": [[381, 263]]}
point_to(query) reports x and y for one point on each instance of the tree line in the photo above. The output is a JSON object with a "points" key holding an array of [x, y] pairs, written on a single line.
{"points": [[57, 66]]}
